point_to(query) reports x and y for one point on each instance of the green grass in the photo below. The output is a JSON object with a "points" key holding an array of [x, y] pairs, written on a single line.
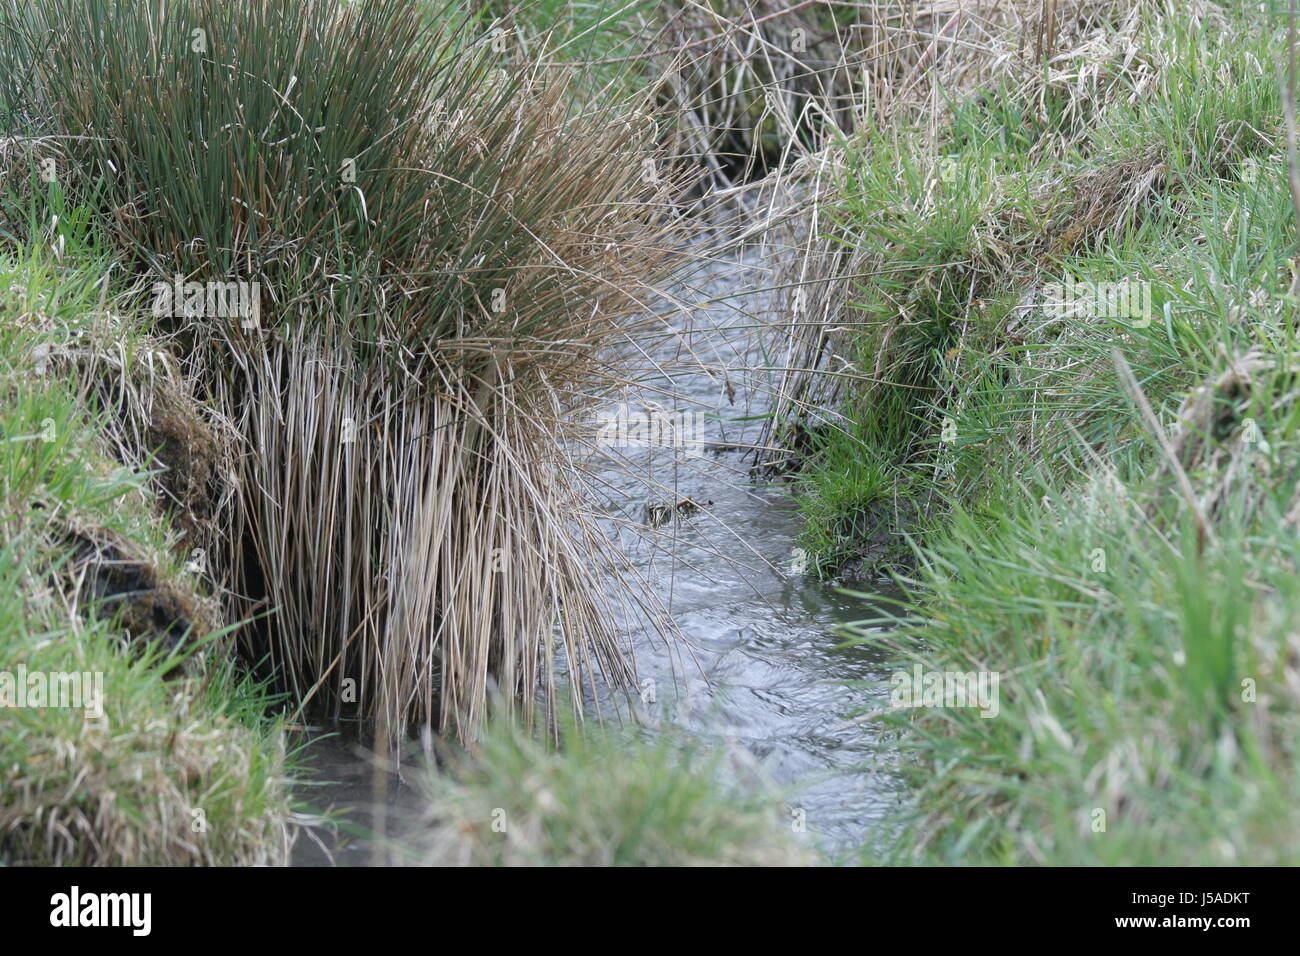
{"points": [[600, 798], [848, 503], [603, 42], [185, 767], [947, 233], [1145, 644]]}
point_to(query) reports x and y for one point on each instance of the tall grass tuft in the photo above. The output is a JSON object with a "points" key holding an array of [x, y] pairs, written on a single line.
{"points": [[449, 256], [597, 799]]}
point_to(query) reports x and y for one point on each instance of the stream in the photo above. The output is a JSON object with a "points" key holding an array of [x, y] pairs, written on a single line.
{"points": [[755, 663]]}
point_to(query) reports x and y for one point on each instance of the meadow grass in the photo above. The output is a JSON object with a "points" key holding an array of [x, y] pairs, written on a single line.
{"points": [[1108, 484]]}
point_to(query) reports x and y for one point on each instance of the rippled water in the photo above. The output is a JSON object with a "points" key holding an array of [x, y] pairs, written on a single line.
{"points": [[762, 666]]}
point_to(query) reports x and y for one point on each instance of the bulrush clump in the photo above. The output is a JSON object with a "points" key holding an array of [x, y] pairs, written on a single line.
{"points": [[449, 252]]}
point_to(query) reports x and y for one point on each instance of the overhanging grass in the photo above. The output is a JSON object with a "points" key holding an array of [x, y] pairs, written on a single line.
{"points": [[184, 767]]}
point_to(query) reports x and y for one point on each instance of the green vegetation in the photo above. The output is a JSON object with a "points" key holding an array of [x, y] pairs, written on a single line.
{"points": [[1108, 477], [602, 43], [177, 762], [600, 799], [1054, 279]]}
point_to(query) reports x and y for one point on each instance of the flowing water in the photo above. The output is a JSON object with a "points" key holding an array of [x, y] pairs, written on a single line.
{"points": [[756, 663]]}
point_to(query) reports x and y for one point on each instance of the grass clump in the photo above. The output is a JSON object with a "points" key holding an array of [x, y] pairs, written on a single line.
{"points": [[852, 505], [450, 255], [599, 798]]}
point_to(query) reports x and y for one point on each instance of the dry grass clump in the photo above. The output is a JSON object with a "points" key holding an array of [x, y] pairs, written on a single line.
{"points": [[426, 493], [757, 87], [156, 424], [753, 86]]}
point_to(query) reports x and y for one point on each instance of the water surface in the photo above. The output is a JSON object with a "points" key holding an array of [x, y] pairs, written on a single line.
{"points": [[759, 660]]}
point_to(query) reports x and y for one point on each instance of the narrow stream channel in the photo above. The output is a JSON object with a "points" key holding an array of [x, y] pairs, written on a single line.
{"points": [[756, 663]]}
